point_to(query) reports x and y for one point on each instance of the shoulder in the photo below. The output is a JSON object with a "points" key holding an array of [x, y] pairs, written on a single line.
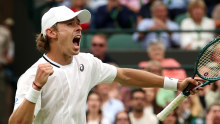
{"points": [[172, 24], [146, 22], [84, 56], [116, 102], [187, 21], [208, 20]]}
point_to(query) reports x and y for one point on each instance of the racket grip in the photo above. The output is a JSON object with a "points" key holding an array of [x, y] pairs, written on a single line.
{"points": [[168, 109]]}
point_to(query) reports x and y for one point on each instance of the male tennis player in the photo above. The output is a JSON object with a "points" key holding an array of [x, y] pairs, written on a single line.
{"points": [[55, 88]]}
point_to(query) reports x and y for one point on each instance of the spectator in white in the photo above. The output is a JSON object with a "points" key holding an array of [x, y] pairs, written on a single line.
{"points": [[151, 106], [137, 115], [160, 21], [94, 113], [197, 20], [213, 114], [110, 106]]}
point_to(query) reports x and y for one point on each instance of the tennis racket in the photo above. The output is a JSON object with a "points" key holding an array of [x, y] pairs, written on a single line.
{"points": [[207, 67]]}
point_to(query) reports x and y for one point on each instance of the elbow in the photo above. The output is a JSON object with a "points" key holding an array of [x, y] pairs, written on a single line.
{"points": [[122, 77]]}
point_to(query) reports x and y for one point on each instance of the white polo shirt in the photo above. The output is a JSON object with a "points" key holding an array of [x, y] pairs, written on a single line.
{"points": [[63, 97]]}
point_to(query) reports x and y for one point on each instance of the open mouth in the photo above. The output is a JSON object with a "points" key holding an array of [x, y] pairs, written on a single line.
{"points": [[76, 40]]}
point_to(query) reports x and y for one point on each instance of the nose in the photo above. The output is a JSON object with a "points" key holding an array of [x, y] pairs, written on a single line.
{"points": [[78, 28]]}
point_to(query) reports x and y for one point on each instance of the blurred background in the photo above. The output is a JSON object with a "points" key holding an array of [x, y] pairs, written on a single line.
{"points": [[160, 36]]}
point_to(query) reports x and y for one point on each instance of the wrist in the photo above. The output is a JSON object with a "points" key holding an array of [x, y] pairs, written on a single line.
{"points": [[32, 95], [171, 83], [36, 86]]}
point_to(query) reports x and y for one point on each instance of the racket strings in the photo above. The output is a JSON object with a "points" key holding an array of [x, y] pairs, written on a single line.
{"points": [[209, 62]]}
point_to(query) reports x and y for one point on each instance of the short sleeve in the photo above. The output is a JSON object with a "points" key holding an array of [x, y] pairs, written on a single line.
{"points": [[102, 72], [24, 84]]}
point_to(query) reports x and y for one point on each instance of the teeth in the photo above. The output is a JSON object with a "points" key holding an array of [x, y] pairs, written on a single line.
{"points": [[77, 36]]}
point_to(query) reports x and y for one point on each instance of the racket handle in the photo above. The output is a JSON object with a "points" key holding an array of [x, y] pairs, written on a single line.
{"points": [[168, 109]]}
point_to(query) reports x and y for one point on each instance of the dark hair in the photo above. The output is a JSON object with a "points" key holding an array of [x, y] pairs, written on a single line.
{"points": [[99, 112], [136, 90], [122, 112]]}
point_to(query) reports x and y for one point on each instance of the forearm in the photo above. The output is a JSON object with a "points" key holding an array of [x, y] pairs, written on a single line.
{"points": [[24, 114], [138, 78]]}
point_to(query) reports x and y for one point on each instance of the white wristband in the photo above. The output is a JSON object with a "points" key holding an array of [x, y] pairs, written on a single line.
{"points": [[32, 95], [170, 83]]}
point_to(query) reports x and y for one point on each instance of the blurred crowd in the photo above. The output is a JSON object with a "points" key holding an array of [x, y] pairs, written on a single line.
{"points": [[151, 15], [116, 104]]}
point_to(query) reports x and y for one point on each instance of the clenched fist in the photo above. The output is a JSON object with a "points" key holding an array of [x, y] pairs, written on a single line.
{"points": [[43, 72]]}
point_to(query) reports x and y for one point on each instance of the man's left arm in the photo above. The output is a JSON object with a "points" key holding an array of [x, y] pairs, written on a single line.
{"points": [[140, 78]]}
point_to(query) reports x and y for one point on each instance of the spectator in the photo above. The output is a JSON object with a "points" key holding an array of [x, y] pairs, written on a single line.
{"points": [[151, 106], [99, 48], [95, 4], [190, 111], [79, 5], [197, 20], [124, 92], [213, 114], [137, 115], [122, 118], [160, 21], [156, 51], [133, 5], [163, 96], [216, 16], [5, 58], [110, 106], [172, 118], [210, 6], [94, 112], [145, 11], [114, 15], [213, 96], [176, 7]]}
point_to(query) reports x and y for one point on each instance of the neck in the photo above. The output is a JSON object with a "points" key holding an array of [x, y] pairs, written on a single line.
{"points": [[60, 58], [93, 115], [138, 114], [148, 104], [198, 21]]}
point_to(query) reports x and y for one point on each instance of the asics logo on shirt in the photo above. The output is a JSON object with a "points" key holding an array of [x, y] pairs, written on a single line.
{"points": [[81, 67]]}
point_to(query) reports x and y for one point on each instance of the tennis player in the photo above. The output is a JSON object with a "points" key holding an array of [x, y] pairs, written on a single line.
{"points": [[55, 88]]}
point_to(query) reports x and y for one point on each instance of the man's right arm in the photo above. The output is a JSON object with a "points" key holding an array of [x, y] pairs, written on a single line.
{"points": [[24, 114]]}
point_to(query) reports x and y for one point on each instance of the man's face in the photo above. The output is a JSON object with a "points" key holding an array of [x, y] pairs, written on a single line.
{"points": [[69, 36], [98, 46], [160, 12], [215, 110], [138, 101], [197, 13]]}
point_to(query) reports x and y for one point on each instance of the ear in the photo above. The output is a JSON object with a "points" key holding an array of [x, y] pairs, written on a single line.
{"points": [[51, 33]]}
